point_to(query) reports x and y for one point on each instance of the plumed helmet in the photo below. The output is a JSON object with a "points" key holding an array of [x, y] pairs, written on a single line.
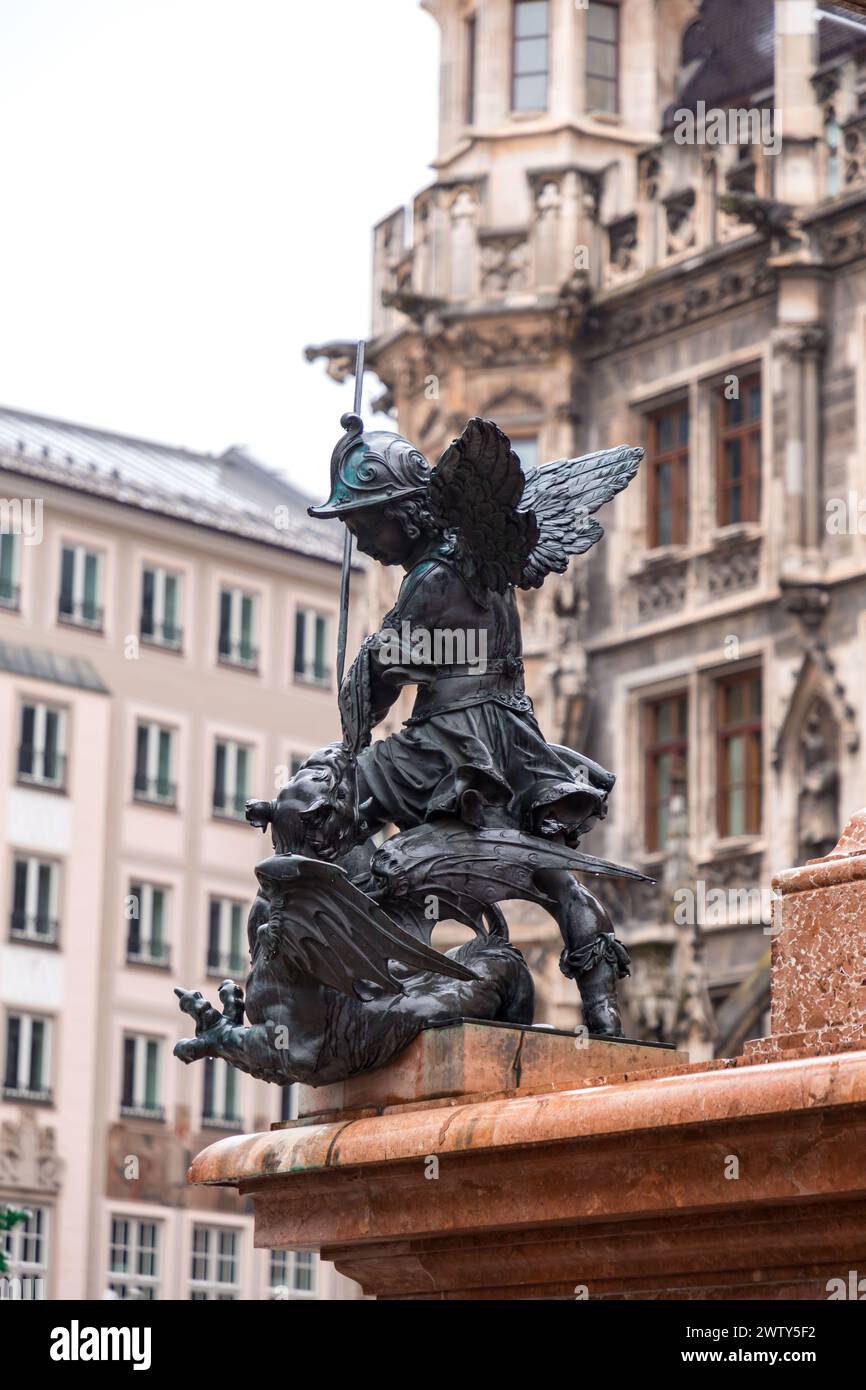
{"points": [[372, 468]]}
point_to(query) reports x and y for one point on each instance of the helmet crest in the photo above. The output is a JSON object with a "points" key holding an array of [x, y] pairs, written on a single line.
{"points": [[371, 468]]}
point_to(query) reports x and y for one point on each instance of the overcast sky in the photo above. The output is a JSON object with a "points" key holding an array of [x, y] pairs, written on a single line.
{"points": [[188, 189]]}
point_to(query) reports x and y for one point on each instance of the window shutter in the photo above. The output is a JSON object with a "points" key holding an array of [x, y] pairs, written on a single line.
{"points": [[128, 1090], [213, 941], [67, 580], [13, 1043], [147, 586], [225, 642], [25, 749], [300, 633]]}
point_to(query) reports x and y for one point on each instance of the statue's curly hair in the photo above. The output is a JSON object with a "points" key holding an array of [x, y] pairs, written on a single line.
{"points": [[413, 514]]}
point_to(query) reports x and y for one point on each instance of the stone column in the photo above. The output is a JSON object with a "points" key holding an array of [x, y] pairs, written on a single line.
{"points": [[795, 102], [800, 347], [463, 249], [546, 235]]}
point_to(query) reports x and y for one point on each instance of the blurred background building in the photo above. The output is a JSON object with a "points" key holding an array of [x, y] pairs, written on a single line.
{"points": [[647, 226], [167, 644]]}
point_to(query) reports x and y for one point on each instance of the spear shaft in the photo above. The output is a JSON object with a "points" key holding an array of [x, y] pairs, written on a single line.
{"points": [[346, 578]]}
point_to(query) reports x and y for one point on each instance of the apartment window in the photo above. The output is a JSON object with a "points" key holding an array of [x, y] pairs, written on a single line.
{"points": [[739, 455], [133, 1258], [668, 475], [226, 945], [602, 57], [471, 60], [26, 1249], [34, 899], [160, 607], [739, 753], [10, 559], [293, 1274], [80, 586], [311, 646], [154, 764], [27, 1075], [238, 628], [220, 1096], [140, 1083], [530, 55], [666, 742], [42, 744], [231, 778], [215, 1264], [146, 936]]}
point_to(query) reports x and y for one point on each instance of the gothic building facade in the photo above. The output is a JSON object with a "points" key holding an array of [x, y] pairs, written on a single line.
{"points": [[647, 225]]}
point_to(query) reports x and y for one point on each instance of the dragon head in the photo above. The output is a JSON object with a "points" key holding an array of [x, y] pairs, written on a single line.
{"points": [[315, 814]]}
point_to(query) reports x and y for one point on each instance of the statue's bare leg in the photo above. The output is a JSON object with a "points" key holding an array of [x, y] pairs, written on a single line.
{"points": [[591, 954]]}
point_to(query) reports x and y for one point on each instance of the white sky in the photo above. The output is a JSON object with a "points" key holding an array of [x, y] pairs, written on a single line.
{"points": [[187, 191]]}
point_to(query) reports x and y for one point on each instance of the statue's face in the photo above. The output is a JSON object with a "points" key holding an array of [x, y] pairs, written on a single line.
{"points": [[306, 791], [379, 536]]}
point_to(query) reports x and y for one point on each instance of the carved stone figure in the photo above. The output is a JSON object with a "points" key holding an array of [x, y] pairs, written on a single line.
{"points": [[343, 974], [819, 783]]}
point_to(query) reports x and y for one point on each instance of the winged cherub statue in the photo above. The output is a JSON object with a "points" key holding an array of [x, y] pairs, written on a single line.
{"points": [[468, 533]]}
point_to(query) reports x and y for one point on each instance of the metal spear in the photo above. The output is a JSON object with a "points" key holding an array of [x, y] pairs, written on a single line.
{"points": [[346, 579]]}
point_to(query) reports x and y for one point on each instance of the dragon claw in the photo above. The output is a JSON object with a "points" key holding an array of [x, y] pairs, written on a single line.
{"points": [[211, 1027]]}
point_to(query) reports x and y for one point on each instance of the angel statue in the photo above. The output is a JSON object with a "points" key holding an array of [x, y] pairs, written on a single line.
{"points": [[343, 974], [469, 533]]}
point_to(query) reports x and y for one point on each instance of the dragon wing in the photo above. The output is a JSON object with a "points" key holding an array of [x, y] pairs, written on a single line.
{"points": [[326, 927], [467, 870], [562, 497], [475, 490]]}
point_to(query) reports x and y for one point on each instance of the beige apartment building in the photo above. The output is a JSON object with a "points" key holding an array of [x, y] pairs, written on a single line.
{"points": [[167, 643], [645, 225]]}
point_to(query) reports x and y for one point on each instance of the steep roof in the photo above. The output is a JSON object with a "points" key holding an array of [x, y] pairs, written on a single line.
{"points": [[227, 492], [728, 51]]}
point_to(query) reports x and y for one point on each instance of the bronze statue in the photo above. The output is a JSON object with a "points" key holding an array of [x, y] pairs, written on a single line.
{"points": [[343, 975]]}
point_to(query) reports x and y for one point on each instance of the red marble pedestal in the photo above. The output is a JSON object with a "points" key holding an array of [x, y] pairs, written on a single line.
{"points": [[621, 1174], [819, 953]]}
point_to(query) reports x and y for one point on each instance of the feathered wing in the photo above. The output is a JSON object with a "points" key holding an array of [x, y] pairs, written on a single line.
{"points": [[562, 497], [467, 870], [326, 927], [476, 490]]}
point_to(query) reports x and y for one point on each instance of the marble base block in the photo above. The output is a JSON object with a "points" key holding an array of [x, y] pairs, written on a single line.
{"points": [[470, 1059]]}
